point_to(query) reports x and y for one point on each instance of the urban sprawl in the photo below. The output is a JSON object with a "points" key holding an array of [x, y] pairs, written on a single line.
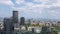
{"points": [[14, 25]]}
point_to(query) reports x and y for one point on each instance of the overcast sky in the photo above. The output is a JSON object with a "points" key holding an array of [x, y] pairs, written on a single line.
{"points": [[31, 8]]}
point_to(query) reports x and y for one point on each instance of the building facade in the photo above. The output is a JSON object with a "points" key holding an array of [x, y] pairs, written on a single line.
{"points": [[15, 16], [22, 21], [8, 26]]}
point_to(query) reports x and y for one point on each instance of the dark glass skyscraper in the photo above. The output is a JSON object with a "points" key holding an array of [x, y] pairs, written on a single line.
{"points": [[15, 16], [8, 26], [45, 30], [22, 21]]}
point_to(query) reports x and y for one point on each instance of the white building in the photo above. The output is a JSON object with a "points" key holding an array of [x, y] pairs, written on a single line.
{"points": [[1, 25]]}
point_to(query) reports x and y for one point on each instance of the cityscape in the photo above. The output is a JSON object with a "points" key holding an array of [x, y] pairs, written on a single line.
{"points": [[29, 16], [15, 25]]}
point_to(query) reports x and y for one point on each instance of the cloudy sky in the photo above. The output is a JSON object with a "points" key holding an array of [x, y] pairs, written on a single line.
{"points": [[31, 8]]}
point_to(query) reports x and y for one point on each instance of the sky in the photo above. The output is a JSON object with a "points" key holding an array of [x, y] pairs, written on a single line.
{"points": [[31, 8]]}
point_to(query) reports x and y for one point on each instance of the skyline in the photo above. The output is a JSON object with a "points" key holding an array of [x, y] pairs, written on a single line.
{"points": [[31, 8]]}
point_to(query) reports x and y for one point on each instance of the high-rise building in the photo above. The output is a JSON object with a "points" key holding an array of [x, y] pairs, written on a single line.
{"points": [[1, 28], [32, 30], [8, 26], [46, 30], [22, 21], [15, 16], [29, 22]]}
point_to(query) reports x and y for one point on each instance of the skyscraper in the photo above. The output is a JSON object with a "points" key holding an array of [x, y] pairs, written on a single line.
{"points": [[22, 21], [45, 30], [15, 16], [29, 21], [8, 26]]}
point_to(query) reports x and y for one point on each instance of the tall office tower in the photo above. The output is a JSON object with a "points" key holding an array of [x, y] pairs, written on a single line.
{"points": [[8, 26], [15, 16], [22, 21], [29, 21]]}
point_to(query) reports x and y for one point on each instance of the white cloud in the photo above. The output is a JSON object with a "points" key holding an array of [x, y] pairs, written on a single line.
{"points": [[49, 2], [40, 8], [44, 3], [41, 0], [57, 3], [20, 1], [6, 2]]}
